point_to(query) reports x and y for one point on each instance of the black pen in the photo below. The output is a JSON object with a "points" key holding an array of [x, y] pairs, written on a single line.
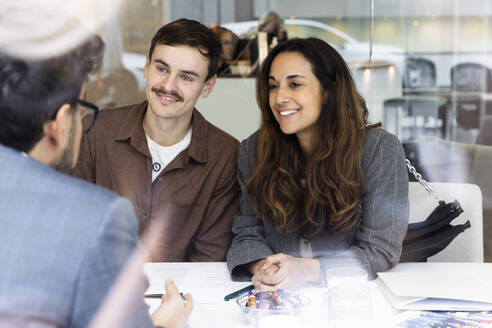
{"points": [[238, 292], [159, 296]]}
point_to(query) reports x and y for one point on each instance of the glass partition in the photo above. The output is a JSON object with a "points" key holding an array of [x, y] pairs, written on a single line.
{"points": [[424, 69]]}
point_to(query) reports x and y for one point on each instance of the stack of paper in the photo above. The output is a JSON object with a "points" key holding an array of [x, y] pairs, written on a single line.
{"points": [[439, 286]]}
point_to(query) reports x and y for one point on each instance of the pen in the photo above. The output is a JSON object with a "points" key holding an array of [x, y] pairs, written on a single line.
{"points": [[238, 292], [159, 295]]}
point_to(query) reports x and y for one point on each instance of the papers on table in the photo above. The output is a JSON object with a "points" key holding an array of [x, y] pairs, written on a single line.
{"points": [[157, 275], [439, 286], [212, 283], [209, 284]]}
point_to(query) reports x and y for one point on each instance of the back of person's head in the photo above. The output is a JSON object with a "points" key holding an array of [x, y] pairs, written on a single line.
{"points": [[193, 34], [32, 90], [273, 24], [269, 19]]}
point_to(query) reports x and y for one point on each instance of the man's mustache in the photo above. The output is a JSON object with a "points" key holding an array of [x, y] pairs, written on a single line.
{"points": [[162, 92]]}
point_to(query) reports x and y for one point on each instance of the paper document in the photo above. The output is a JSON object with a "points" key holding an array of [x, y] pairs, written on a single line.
{"points": [[157, 275], [210, 283], [438, 286]]}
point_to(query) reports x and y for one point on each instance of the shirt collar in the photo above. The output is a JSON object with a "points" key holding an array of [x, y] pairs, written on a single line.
{"points": [[132, 130], [133, 123]]}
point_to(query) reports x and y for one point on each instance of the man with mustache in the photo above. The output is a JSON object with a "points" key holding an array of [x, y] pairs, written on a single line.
{"points": [[175, 167]]}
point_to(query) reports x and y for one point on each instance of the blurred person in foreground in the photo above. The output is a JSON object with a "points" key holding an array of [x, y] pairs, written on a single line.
{"points": [[64, 241], [322, 188], [177, 169]]}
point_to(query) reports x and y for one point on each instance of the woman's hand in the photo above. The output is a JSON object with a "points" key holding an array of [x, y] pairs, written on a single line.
{"points": [[284, 271], [174, 310]]}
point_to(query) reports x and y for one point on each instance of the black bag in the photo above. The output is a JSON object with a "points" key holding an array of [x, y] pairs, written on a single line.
{"points": [[429, 237]]}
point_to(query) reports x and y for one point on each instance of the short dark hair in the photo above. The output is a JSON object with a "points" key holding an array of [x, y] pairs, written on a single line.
{"points": [[190, 33], [32, 90]]}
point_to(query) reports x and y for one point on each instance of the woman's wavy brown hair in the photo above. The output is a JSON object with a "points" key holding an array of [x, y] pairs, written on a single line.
{"points": [[333, 175]]}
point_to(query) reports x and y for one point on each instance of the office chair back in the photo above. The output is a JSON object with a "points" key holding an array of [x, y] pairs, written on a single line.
{"points": [[419, 73], [471, 77]]}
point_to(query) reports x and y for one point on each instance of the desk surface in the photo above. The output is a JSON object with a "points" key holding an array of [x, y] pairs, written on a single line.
{"points": [[214, 312]]}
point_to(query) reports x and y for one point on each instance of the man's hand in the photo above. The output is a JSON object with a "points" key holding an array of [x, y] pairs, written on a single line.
{"points": [[284, 271], [174, 310]]}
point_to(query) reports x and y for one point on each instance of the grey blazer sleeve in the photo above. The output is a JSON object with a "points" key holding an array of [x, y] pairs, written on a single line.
{"points": [[249, 243], [378, 240], [112, 246]]}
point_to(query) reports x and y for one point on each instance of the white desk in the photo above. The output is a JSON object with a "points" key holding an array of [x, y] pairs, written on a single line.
{"points": [[210, 312]]}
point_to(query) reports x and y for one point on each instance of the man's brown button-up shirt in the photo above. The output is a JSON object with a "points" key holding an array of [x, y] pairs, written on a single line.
{"points": [[189, 208]]}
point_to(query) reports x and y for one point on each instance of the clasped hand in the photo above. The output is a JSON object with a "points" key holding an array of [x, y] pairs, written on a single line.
{"points": [[279, 271]]}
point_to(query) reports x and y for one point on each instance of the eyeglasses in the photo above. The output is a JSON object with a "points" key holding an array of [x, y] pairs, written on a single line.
{"points": [[89, 107]]}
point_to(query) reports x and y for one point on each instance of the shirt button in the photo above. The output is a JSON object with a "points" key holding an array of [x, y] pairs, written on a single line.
{"points": [[160, 179]]}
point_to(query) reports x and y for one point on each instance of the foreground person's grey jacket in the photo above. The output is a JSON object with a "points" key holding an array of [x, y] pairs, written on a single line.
{"points": [[64, 242]]}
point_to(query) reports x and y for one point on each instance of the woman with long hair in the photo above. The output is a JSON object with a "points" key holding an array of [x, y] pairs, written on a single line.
{"points": [[320, 186]]}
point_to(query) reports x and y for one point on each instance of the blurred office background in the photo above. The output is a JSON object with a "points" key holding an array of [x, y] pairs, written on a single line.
{"points": [[424, 68]]}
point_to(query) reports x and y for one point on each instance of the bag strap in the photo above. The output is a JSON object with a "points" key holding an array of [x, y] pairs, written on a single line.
{"points": [[422, 182]]}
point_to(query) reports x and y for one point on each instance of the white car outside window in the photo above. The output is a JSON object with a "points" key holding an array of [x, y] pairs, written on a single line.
{"points": [[353, 51]]}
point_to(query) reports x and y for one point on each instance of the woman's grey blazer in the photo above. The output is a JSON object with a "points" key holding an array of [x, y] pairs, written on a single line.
{"points": [[375, 244]]}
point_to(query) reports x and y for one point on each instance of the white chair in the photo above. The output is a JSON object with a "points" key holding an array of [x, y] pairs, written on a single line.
{"points": [[467, 246]]}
